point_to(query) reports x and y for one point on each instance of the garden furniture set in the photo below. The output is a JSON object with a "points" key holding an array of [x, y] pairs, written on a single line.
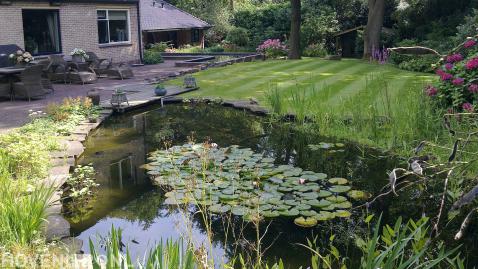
{"points": [[32, 80]]}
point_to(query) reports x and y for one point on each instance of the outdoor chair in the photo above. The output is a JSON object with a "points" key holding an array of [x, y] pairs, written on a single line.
{"points": [[60, 70], [45, 81], [30, 86], [5, 91], [105, 67]]}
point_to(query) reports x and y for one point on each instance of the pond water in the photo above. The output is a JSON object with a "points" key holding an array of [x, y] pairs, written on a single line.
{"points": [[127, 199]]}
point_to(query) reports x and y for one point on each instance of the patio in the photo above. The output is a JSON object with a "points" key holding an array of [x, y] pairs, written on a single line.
{"points": [[15, 113]]}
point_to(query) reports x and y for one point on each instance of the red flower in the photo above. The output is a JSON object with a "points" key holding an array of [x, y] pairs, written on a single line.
{"points": [[431, 91], [468, 107], [472, 64], [470, 43], [458, 81], [473, 88], [454, 58]]}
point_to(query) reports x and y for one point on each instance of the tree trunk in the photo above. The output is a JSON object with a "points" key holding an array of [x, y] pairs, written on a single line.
{"points": [[294, 39], [371, 39]]}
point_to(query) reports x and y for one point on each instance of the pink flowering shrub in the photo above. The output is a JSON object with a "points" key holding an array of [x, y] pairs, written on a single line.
{"points": [[273, 48], [457, 89]]}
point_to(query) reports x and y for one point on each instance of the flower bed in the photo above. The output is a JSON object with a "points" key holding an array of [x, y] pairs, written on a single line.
{"points": [[457, 89]]}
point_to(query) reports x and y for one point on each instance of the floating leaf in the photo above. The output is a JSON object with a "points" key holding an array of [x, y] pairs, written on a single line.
{"points": [[305, 222], [340, 188], [338, 181], [342, 213], [358, 195]]}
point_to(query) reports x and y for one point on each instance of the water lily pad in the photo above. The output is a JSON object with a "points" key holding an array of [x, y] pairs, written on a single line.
{"points": [[340, 188], [308, 213], [219, 209], [305, 222], [338, 181], [358, 195], [289, 213], [344, 205], [336, 199], [324, 193], [309, 195], [228, 197], [301, 207], [270, 214], [342, 213], [318, 204], [239, 210], [324, 215], [291, 202]]}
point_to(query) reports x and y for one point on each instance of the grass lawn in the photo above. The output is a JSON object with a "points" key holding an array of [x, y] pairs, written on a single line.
{"points": [[353, 99], [344, 78]]}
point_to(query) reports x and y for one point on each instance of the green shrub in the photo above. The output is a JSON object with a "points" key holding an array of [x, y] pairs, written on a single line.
{"points": [[217, 48], [160, 47], [416, 63], [152, 57], [315, 50], [238, 36]]}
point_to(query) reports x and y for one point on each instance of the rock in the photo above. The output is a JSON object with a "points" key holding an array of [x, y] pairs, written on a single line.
{"points": [[56, 180], [63, 161], [60, 170], [57, 228], [72, 244]]}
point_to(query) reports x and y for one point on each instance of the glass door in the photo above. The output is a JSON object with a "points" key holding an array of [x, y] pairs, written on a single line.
{"points": [[41, 28]]}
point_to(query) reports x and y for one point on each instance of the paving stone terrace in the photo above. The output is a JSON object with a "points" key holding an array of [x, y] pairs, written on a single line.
{"points": [[15, 114]]}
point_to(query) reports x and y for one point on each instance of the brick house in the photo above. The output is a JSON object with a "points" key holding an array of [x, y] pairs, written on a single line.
{"points": [[110, 28], [163, 22]]}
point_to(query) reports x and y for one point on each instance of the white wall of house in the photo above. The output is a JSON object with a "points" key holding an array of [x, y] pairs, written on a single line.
{"points": [[78, 28]]}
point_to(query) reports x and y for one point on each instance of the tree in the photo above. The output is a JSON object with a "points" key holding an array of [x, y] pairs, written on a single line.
{"points": [[294, 39], [376, 10]]}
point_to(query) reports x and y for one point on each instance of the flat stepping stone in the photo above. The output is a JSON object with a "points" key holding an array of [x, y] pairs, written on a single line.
{"points": [[57, 228]]}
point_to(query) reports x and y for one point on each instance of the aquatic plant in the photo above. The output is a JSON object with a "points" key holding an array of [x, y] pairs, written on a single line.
{"points": [[169, 255], [247, 184], [402, 245]]}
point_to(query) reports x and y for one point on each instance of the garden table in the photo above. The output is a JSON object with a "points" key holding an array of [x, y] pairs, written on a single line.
{"points": [[10, 73]]}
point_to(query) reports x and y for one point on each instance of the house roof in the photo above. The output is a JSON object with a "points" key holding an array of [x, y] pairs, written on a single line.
{"points": [[158, 15], [86, 1]]}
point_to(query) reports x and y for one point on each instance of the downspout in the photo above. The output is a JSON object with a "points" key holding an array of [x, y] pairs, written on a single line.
{"points": [[140, 34]]}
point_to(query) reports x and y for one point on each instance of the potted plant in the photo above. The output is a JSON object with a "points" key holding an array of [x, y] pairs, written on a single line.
{"points": [[160, 90], [79, 55], [21, 58]]}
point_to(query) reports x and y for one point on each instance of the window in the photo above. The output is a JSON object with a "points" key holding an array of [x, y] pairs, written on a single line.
{"points": [[113, 26], [194, 35], [41, 31]]}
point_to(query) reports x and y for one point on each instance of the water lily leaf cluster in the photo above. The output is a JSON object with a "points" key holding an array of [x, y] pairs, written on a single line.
{"points": [[247, 184]]}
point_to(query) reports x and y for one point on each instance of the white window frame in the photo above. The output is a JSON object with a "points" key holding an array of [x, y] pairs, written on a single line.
{"points": [[108, 26]]}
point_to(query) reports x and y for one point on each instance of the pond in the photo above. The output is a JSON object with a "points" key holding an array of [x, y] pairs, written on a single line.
{"points": [[127, 199]]}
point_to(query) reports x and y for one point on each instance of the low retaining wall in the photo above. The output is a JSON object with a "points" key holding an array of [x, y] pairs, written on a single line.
{"points": [[198, 59]]}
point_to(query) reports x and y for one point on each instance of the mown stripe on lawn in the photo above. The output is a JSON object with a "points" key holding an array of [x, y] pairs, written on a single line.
{"points": [[288, 78]]}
